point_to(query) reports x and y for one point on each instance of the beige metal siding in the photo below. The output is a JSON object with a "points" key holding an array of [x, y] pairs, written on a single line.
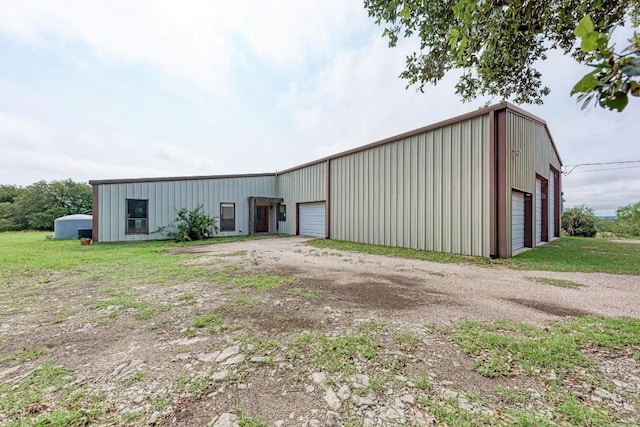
{"points": [[428, 191], [167, 197], [529, 152], [308, 184]]}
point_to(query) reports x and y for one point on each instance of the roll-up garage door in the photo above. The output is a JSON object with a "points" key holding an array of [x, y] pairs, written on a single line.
{"points": [[312, 219], [552, 204], [538, 210], [517, 221]]}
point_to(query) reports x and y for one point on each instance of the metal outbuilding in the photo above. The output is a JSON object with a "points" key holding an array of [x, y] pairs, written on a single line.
{"points": [[486, 183], [67, 227]]}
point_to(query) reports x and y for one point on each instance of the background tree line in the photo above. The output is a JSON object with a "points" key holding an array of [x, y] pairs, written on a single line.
{"points": [[581, 221], [36, 206]]}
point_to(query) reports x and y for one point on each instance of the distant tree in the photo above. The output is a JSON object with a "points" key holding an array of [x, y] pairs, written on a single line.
{"points": [[498, 44], [605, 226], [628, 221], [579, 221], [36, 206]]}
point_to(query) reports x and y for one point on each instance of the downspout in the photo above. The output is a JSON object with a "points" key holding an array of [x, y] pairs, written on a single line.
{"points": [[95, 212], [328, 202]]}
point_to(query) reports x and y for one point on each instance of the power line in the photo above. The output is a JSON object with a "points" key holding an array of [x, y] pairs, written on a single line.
{"points": [[609, 169], [571, 168]]}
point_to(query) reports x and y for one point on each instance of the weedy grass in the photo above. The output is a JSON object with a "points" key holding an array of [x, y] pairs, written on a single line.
{"points": [[372, 326], [306, 293], [246, 420], [563, 254], [502, 348], [143, 309], [211, 321], [333, 354], [580, 254], [25, 402], [29, 255], [560, 283], [407, 340], [135, 378], [22, 356], [395, 252]]}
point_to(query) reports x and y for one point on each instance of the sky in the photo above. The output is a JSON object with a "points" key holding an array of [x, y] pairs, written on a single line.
{"points": [[147, 88]]}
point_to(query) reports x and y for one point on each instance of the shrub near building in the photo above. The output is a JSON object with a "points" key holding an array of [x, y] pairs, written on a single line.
{"points": [[579, 221]]}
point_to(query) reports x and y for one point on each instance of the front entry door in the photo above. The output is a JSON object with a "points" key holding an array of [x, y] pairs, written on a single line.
{"points": [[262, 219]]}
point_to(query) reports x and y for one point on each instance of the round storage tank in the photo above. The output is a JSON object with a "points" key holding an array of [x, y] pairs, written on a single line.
{"points": [[67, 227]]}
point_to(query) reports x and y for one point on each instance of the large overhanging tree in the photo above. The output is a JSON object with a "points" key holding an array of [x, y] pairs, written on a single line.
{"points": [[497, 44]]}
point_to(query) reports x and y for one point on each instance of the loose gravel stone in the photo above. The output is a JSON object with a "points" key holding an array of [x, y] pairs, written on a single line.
{"points": [[208, 357], [226, 420], [344, 392], [227, 353], [332, 399], [238, 358]]}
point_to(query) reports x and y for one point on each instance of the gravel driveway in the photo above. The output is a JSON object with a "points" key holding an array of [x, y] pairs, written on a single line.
{"points": [[439, 293]]}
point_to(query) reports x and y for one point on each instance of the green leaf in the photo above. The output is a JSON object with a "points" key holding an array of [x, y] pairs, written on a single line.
{"points": [[585, 27], [405, 13], [617, 101], [453, 38], [631, 67], [590, 42], [586, 84], [634, 88]]}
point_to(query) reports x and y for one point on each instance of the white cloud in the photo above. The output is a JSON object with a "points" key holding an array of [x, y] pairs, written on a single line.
{"points": [[199, 41], [17, 131], [340, 80]]}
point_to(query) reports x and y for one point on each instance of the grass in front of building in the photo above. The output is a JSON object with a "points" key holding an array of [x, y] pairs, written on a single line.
{"points": [[588, 255], [30, 254], [563, 254]]}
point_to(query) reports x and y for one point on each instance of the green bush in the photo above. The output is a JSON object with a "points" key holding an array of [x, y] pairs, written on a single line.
{"points": [[628, 221], [192, 225], [579, 221]]}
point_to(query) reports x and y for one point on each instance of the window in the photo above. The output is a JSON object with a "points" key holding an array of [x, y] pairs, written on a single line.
{"points": [[282, 213], [137, 216], [227, 217]]}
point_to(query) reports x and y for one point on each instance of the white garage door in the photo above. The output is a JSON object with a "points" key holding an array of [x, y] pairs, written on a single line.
{"points": [[538, 210], [517, 221], [552, 204], [312, 219]]}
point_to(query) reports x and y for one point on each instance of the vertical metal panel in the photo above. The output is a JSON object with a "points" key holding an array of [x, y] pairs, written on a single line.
{"points": [[300, 186], [530, 152], [517, 220], [312, 219], [552, 205], [538, 211], [431, 191], [167, 197]]}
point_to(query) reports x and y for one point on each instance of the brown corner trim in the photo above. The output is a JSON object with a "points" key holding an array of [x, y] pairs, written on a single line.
{"points": [[528, 220], [502, 224], [95, 209], [327, 213], [544, 208], [493, 180]]}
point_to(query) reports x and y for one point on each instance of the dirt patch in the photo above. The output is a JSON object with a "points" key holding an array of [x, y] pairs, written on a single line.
{"points": [[153, 355], [552, 309]]}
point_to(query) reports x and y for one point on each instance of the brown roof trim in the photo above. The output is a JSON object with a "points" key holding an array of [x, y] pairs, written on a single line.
{"points": [[453, 120], [437, 125], [177, 178]]}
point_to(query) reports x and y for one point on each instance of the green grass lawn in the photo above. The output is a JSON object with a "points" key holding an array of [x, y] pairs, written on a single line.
{"points": [[563, 254], [25, 254], [581, 254]]}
